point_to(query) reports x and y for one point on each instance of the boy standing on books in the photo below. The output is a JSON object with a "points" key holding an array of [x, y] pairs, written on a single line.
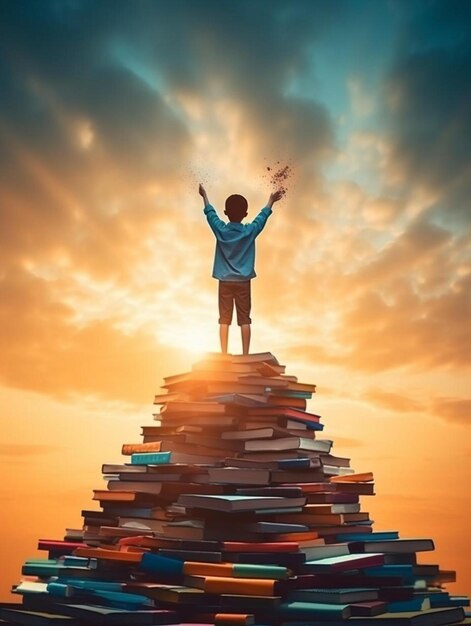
{"points": [[234, 261]]}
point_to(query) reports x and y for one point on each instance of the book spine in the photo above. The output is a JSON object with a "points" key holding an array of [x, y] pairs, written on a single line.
{"points": [[151, 458]]}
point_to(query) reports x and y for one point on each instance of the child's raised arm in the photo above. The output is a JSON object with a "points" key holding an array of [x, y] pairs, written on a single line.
{"points": [[274, 197], [202, 192], [215, 223]]}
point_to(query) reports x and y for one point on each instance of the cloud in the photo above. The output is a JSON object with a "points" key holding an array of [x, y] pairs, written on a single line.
{"points": [[43, 350], [27, 450], [427, 92], [452, 409], [393, 401]]}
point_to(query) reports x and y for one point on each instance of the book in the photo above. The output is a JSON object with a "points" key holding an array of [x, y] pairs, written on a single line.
{"points": [[333, 596], [289, 443], [279, 463], [394, 545], [296, 610], [226, 584], [431, 617], [344, 563], [367, 609], [164, 458], [239, 476], [231, 509], [17, 614], [314, 553], [253, 358], [238, 502], [199, 407], [102, 615], [264, 368], [269, 432]]}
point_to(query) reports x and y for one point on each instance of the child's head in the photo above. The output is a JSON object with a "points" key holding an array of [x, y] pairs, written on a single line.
{"points": [[236, 208]]}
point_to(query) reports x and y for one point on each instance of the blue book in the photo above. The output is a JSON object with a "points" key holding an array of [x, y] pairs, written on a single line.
{"points": [[303, 463], [406, 572], [413, 604], [437, 598], [162, 568], [92, 585], [306, 395], [122, 599], [151, 458], [108, 593], [459, 601], [386, 535], [310, 425]]}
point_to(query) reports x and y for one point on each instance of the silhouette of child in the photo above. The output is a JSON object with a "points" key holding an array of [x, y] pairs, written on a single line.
{"points": [[234, 261]]}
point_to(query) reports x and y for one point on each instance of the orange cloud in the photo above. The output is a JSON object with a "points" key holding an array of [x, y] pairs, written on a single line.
{"points": [[393, 401], [26, 450], [44, 351], [453, 409]]}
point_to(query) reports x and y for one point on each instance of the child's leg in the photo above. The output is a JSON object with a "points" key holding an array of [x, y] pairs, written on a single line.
{"points": [[226, 306], [243, 306], [245, 331], [224, 336]]}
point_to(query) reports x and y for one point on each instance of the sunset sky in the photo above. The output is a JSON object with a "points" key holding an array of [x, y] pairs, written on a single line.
{"points": [[111, 113]]}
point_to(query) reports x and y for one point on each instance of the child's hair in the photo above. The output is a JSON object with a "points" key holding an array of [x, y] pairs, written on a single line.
{"points": [[236, 207]]}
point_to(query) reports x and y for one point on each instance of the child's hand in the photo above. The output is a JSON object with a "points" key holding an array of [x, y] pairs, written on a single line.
{"points": [[202, 191], [275, 196]]}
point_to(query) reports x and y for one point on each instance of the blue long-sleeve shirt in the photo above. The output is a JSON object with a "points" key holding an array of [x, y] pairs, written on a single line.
{"points": [[234, 258]]}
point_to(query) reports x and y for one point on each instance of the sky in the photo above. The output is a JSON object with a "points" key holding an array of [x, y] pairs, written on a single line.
{"points": [[112, 113]]}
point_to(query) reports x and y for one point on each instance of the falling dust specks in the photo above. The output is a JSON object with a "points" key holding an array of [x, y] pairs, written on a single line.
{"points": [[278, 175]]}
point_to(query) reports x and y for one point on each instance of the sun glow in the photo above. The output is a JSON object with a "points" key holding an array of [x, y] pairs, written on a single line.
{"points": [[195, 341]]}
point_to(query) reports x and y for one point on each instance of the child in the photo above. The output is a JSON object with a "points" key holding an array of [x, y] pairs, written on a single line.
{"points": [[234, 261]]}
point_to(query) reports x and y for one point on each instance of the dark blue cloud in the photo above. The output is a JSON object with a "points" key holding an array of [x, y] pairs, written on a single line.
{"points": [[429, 92]]}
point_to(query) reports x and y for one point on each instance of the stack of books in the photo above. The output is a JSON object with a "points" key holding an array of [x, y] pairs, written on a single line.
{"points": [[233, 510]]}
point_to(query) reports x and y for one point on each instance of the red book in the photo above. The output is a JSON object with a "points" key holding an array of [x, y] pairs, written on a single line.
{"points": [[64, 547], [368, 609]]}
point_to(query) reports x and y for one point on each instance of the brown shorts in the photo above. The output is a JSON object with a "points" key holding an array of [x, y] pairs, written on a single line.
{"points": [[238, 292]]}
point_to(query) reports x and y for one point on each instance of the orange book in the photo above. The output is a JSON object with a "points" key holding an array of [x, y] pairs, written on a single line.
{"points": [[236, 619], [238, 586], [120, 496], [130, 448], [353, 478], [109, 554], [193, 568]]}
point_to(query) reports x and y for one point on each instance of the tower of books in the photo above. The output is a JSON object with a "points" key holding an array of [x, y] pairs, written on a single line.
{"points": [[233, 510]]}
